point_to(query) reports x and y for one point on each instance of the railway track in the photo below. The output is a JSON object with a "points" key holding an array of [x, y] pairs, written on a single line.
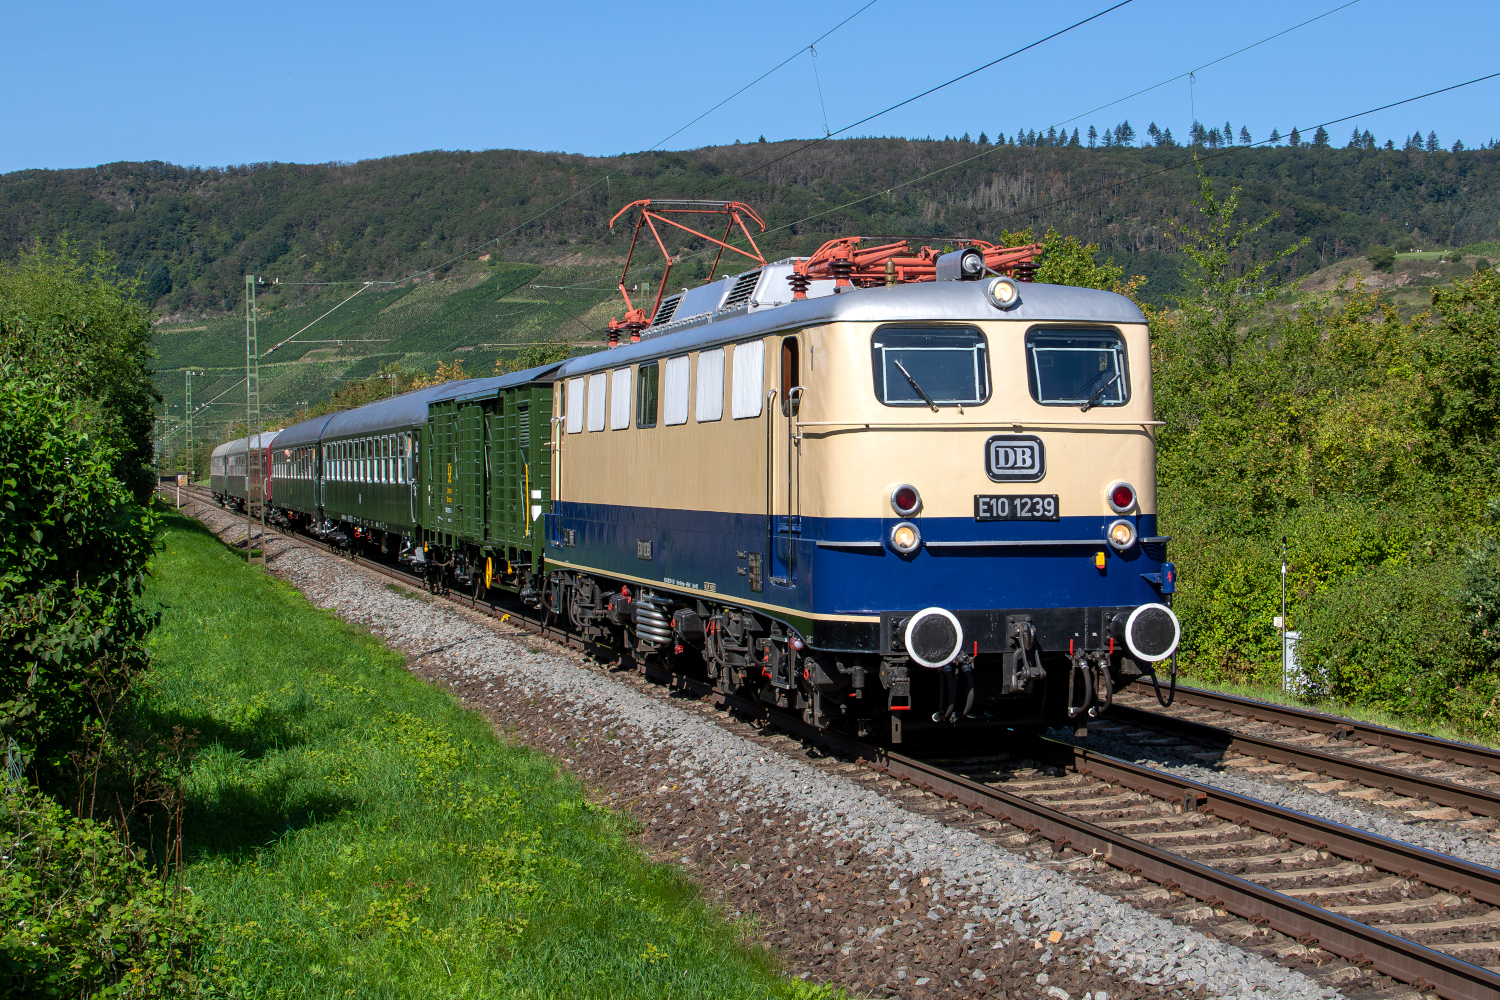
{"points": [[1425, 777], [1160, 841]]}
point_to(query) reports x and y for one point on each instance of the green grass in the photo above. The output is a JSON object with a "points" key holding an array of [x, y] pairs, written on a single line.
{"points": [[354, 832]]}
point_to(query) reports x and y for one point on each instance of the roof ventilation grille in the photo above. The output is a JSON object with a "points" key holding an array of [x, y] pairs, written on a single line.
{"points": [[738, 295], [667, 310]]}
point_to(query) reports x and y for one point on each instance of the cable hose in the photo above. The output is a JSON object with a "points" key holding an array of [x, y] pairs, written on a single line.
{"points": [[1109, 691], [969, 680], [1080, 665], [1172, 695]]}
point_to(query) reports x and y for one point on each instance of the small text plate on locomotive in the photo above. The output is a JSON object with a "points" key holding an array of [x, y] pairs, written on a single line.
{"points": [[1030, 507]]}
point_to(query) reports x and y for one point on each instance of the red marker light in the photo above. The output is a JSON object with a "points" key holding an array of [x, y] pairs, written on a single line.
{"points": [[1122, 497]]}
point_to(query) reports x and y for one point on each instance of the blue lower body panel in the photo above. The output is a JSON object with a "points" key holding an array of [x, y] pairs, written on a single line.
{"points": [[853, 573]]}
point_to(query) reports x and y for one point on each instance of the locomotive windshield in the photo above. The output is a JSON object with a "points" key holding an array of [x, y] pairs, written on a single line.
{"points": [[930, 366], [1084, 368]]}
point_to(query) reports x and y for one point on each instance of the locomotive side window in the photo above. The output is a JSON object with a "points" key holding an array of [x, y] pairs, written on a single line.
{"points": [[930, 366], [676, 378], [619, 399], [573, 406], [749, 379], [1077, 368], [710, 386], [596, 401], [647, 383]]}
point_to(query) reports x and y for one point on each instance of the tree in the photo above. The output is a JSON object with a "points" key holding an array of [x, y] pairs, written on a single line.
{"points": [[1052, 136], [1154, 133], [76, 324], [966, 138], [1414, 143], [1356, 141], [984, 140], [1458, 147], [1245, 136], [1320, 138], [1228, 135], [1074, 141], [1214, 138], [1382, 258], [1369, 142], [1295, 138], [1066, 260], [1275, 137], [1389, 144], [1093, 136], [1125, 133], [1433, 146], [1167, 140], [1230, 290], [1199, 134]]}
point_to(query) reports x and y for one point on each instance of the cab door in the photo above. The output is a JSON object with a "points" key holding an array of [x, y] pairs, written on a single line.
{"points": [[783, 466]]}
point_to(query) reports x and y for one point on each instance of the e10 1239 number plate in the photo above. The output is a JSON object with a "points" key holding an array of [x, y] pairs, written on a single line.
{"points": [[1028, 507]]}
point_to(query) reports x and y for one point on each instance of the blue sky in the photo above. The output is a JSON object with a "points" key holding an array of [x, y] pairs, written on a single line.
{"points": [[214, 84]]}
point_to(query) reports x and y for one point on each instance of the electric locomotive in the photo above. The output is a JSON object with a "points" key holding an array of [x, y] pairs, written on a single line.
{"points": [[907, 494], [906, 508]]}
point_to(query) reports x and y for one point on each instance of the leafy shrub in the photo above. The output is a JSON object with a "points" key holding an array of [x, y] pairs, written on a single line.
{"points": [[1392, 638], [75, 324], [80, 917], [73, 548], [1382, 258]]}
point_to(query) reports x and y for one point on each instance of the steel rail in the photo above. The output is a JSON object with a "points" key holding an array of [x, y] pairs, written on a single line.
{"points": [[1447, 793], [1423, 967], [1360, 943], [1449, 751]]}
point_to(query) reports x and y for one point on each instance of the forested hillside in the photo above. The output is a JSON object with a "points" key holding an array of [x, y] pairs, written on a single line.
{"points": [[193, 232]]}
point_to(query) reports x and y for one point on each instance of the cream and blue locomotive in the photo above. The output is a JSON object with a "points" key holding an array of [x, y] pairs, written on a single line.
{"points": [[906, 509], [917, 508]]}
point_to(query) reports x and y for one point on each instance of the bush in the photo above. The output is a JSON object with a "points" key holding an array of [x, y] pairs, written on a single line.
{"points": [[80, 917], [73, 322], [1382, 258], [73, 549], [1392, 638]]}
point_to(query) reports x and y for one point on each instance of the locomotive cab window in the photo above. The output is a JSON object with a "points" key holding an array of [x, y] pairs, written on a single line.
{"points": [[791, 376], [1084, 368], [930, 366]]}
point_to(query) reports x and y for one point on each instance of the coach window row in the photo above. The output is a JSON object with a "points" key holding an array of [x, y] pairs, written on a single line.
{"points": [[385, 458], [666, 390], [292, 463]]}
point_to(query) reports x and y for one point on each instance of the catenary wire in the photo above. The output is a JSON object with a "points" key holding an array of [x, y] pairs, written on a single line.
{"points": [[918, 97]]}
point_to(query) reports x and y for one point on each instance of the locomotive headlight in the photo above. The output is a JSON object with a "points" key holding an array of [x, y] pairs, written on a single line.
{"points": [[905, 538], [1121, 535], [1004, 293]]}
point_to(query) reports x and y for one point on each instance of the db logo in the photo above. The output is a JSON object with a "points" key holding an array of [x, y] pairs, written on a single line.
{"points": [[1015, 458]]}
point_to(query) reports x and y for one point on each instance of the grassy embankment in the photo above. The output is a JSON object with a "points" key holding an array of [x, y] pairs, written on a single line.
{"points": [[355, 832]]}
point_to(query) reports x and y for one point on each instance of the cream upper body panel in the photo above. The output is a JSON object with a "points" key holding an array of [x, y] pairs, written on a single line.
{"points": [[844, 450]]}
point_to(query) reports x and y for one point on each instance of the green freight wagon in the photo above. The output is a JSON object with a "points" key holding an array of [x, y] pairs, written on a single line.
{"points": [[485, 479]]}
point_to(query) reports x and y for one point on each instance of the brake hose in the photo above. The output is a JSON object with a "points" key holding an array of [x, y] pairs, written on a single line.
{"points": [[969, 680], [1172, 689]]}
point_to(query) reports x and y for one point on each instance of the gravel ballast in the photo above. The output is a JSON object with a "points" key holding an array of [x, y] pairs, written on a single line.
{"points": [[849, 887]]}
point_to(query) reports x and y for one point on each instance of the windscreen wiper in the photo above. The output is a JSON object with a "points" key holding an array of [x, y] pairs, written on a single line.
{"points": [[915, 385], [1089, 403]]}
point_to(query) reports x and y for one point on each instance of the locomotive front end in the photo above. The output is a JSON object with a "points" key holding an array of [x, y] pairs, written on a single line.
{"points": [[972, 504]]}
